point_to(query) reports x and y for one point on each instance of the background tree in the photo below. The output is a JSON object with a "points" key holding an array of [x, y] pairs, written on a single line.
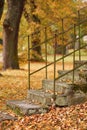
{"points": [[39, 14], [33, 18]]}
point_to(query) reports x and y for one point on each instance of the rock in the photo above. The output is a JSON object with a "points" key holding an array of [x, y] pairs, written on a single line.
{"points": [[76, 98], [61, 100]]}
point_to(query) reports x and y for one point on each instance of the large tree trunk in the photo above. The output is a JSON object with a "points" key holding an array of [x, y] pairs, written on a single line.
{"points": [[10, 34]]}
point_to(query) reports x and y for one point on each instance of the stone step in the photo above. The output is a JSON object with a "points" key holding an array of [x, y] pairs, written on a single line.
{"points": [[39, 96], [76, 97], [40, 102], [68, 76], [60, 87], [46, 98], [24, 107]]}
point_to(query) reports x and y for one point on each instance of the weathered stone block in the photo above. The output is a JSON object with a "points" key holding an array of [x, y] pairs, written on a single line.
{"points": [[25, 107], [39, 96], [76, 98], [68, 76], [61, 100], [60, 87]]}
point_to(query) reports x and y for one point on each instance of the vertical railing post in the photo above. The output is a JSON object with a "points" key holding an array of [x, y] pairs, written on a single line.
{"points": [[63, 43], [79, 33], [55, 44], [74, 53], [28, 62], [46, 51]]}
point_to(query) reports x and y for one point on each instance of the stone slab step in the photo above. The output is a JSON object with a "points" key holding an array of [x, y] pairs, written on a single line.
{"points": [[60, 87], [39, 96], [68, 76], [47, 98], [24, 107], [75, 98]]}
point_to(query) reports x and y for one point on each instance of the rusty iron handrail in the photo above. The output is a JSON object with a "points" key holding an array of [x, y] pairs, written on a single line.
{"points": [[54, 37], [59, 58]]}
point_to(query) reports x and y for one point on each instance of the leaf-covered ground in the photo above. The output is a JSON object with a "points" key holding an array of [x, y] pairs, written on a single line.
{"points": [[14, 85], [69, 118]]}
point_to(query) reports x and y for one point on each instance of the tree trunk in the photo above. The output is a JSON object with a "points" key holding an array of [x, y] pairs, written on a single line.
{"points": [[35, 40], [10, 34], [1, 7], [36, 50]]}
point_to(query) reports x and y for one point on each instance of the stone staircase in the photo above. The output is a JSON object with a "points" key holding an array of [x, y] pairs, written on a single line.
{"points": [[45, 95], [66, 94], [65, 90]]}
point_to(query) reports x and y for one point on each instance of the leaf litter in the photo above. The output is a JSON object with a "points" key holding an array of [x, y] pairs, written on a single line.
{"points": [[14, 86]]}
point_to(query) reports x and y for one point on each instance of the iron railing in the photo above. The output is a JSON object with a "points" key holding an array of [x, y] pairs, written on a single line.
{"points": [[60, 36]]}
